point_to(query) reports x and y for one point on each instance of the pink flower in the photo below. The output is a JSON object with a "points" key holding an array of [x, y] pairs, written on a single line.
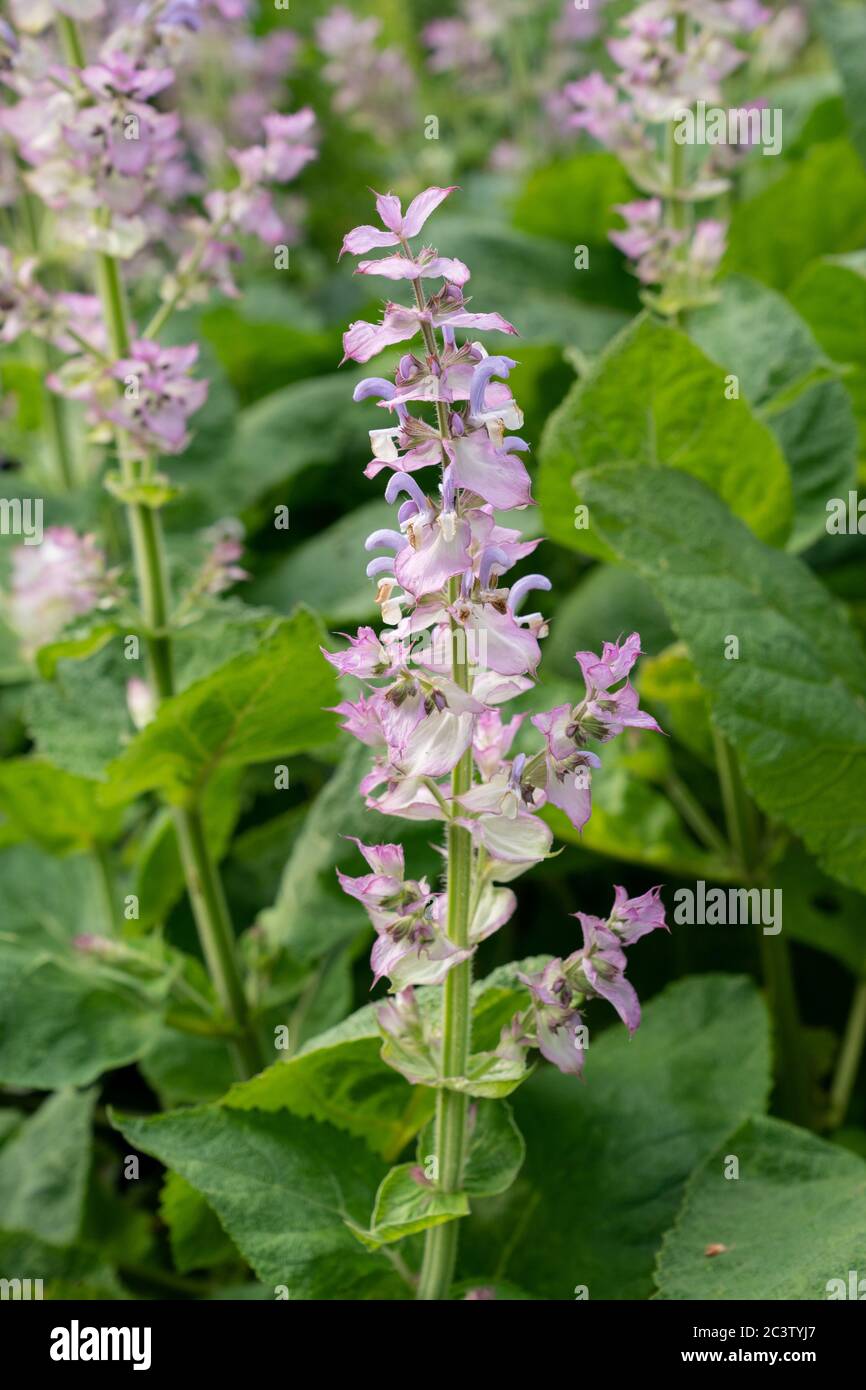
{"points": [[62, 578]]}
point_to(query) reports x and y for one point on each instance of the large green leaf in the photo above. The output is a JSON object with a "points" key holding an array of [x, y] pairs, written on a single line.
{"points": [[753, 332], [831, 296], [58, 810], [792, 1221], [196, 1236], [60, 712], [282, 1188], [606, 1161], [794, 702], [44, 1169], [260, 705], [62, 1022], [778, 232], [61, 1025], [842, 26], [654, 401]]}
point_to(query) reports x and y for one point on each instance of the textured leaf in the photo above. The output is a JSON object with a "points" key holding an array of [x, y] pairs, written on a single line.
{"points": [[62, 1026], [282, 1188], [656, 402], [831, 296], [794, 703], [44, 1168], [405, 1206], [496, 1149], [57, 809], [779, 231], [60, 713], [606, 1161], [260, 705], [792, 1221], [197, 1238], [754, 333]]}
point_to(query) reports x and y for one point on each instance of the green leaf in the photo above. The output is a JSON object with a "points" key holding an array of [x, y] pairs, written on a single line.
{"points": [[184, 1069], [794, 702], [57, 809], [820, 912], [261, 705], [340, 1076], [406, 1205], [72, 1272], [654, 401], [496, 1149], [60, 1025], [790, 1223], [606, 1162], [775, 234], [754, 333], [282, 1187], [59, 713], [44, 1169], [843, 29], [572, 201], [196, 1236], [831, 297], [669, 682]]}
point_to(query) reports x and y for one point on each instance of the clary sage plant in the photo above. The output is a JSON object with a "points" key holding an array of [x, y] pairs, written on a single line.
{"points": [[455, 648]]}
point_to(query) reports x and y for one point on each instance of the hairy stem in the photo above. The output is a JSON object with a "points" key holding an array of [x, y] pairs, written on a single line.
{"points": [[440, 1242], [440, 1248], [793, 1085], [850, 1057]]}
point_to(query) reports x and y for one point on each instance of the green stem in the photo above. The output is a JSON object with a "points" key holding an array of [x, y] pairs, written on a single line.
{"points": [[202, 876], [440, 1247], [54, 405], [695, 816], [850, 1056], [793, 1085], [70, 42]]}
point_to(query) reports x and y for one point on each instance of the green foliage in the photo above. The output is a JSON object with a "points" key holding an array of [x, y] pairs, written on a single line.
{"points": [[654, 401], [782, 1171], [283, 1189], [606, 1162], [258, 706], [792, 704]]}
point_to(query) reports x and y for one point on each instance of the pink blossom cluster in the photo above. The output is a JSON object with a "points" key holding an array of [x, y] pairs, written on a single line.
{"points": [[373, 86], [670, 54], [456, 643]]}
